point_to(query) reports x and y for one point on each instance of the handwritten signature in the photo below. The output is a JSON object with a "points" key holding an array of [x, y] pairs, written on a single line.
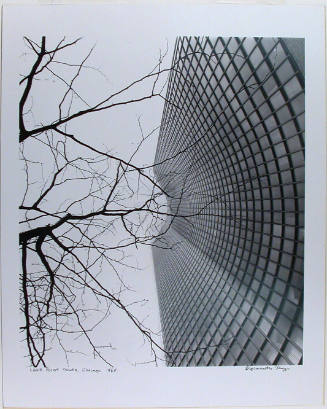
{"points": [[267, 368]]}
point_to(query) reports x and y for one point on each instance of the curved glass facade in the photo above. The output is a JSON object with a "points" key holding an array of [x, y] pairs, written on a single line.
{"points": [[231, 156]]}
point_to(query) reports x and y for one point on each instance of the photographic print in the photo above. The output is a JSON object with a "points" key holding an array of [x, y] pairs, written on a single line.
{"points": [[221, 204], [161, 207]]}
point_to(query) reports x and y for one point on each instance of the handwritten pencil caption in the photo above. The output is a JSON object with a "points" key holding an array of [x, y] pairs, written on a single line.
{"points": [[74, 370]]}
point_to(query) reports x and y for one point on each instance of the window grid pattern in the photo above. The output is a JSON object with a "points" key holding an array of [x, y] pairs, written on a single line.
{"points": [[231, 288]]}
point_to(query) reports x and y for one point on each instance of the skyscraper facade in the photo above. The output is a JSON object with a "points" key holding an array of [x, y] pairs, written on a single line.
{"points": [[230, 155]]}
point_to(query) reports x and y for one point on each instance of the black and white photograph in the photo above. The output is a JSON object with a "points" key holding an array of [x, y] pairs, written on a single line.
{"points": [[159, 184], [221, 204]]}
